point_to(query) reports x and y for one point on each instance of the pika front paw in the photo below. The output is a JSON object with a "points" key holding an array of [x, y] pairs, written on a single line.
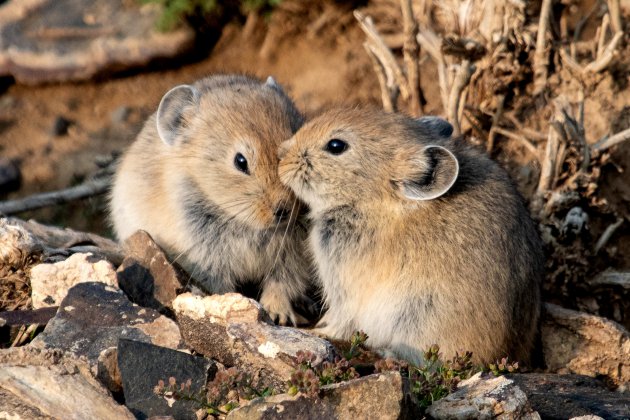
{"points": [[278, 306]]}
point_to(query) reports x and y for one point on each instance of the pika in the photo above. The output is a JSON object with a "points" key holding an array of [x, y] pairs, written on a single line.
{"points": [[201, 179], [418, 239]]}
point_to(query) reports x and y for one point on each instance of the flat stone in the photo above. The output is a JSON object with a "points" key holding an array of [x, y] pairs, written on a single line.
{"points": [[142, 365], [577, 342], [379, 396], [60, 40], [10, 176], [236, 331], [146, 274], [40, 383], [484, 398], [558, 397], [93, 317], [50, 282]]}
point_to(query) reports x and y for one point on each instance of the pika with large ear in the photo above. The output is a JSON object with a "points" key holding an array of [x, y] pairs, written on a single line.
{"points": [[170, 113], [442, 169]]}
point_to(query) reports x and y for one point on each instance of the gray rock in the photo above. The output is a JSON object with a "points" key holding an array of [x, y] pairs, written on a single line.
{"points": [[564, 396], [577, 342], [120, 115], [60, 40], [380, 396], [93, 317], [142, 365], [147, 276], [484, 398], [50, 282], [48, 384], [236, 331], [10, 176]]}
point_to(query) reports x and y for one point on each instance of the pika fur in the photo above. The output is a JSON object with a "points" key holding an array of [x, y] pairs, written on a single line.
{"points": [[418, 239], [202, 180]]}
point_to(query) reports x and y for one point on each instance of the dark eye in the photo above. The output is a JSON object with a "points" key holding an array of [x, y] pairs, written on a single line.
{"points": [[336, 146], [241, 163]]}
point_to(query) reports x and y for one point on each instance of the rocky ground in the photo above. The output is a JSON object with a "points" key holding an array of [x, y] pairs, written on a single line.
{"points": [[81, 316], [112, 336]]}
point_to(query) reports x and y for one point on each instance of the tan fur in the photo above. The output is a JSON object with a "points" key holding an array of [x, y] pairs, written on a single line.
{"points": [[213, 219], [461, 270]]}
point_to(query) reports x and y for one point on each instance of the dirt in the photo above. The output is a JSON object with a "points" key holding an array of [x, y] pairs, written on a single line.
{"points": [[314, 49]]}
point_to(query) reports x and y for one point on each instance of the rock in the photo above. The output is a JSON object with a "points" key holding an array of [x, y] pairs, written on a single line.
{"points": [[93, 317], [18, 247], [61, 40], [484, 398], [576, 342], [147, 276], [36, 383], [564, 396], [57, 242], [60, 126], [50, 282], [379, 396], [142, 365], [10, 176], [236, 331]]}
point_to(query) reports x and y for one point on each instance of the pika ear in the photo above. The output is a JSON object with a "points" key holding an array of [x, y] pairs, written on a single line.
{"points": [[436, 126], [170, 112], [440, 175]]}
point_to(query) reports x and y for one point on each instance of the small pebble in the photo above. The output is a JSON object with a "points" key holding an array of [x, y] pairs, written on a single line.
{"points": [[10, 176], [120, 115], [60, 126]]}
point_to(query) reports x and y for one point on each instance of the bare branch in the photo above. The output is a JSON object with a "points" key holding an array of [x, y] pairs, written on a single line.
{"points": [[549, 162], [462, 77], [496, 119], [603, 32], [606, 57], [87, 189], [411, 52], [608, 233], [389, 91], [612, 140], [541, 56], [615, 16], [384, 54], [522, 140]]}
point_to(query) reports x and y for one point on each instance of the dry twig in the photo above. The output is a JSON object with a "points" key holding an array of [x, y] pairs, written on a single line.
{"points": [[612, 140], [87, 189], [608, 233], [462, 77], [541, 57], [411, 53]]}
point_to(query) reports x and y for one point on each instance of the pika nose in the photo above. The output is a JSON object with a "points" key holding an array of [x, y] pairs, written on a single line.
{"points": [[282, 214]]}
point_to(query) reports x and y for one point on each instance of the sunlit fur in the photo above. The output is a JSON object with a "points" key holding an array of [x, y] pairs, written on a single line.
{"points": [[461, 271], [213, 219]]}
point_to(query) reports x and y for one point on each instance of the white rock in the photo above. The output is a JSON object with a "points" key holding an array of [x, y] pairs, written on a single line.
{"points": [[582, 343], [50, 282], [484, 398]]}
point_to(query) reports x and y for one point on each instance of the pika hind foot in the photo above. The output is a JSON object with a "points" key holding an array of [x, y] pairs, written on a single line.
{"points": [[278, 305]]}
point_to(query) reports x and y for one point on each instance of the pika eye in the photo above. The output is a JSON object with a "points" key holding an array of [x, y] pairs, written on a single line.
{"points": [[336, 146], [241, 163]]}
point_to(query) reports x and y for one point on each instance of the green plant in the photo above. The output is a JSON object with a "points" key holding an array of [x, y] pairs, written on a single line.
{"points": [[177, 12], [308, 379], [224, 393]]}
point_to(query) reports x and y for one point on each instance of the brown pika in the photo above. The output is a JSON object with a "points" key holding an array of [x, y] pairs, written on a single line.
{"points": [[202, 180], [418, 239]]}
